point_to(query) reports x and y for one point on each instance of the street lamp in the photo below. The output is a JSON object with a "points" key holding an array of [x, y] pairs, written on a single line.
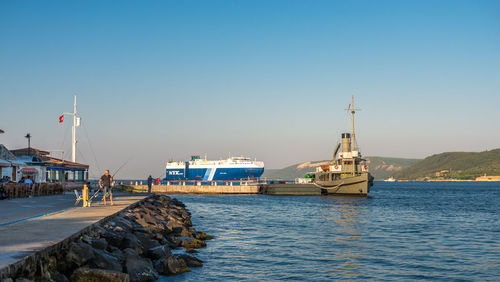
{"points": [[29, 143]]}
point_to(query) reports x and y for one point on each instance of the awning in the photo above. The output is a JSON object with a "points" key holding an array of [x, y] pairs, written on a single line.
{"points": [[4, 163], [28, 170], [65, 168], [17, 163]]}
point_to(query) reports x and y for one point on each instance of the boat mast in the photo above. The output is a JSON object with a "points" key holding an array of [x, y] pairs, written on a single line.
{"points": [[352, 118], [353, 111]]}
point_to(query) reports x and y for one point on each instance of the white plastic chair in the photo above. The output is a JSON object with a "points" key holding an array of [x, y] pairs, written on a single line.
{"points": [[78, 197]]}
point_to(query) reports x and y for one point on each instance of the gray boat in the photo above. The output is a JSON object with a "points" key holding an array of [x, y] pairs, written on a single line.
{"points": [[346, 174]]}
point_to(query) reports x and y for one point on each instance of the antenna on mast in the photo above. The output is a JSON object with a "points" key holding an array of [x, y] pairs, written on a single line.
{"points": [[353, 110]]}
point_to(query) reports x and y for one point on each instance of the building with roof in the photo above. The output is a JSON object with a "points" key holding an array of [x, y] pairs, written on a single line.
{"points": [[41, 167], [8, 164]]}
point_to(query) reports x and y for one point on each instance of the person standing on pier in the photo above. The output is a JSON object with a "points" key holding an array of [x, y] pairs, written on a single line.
{"points": [[105, 182], [150, 182]]}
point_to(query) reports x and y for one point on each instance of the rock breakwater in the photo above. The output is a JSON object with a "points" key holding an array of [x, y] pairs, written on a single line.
{"points": [[137, 244]]}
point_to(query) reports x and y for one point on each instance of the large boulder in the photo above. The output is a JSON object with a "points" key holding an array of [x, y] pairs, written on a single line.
{"points": [[104, 260], [79, 253], [124, 223], [174, 217], [186, 233], [167, 228], [86, 239], [200, 235], [150, 218], [138, 227], [99, 243], [113, 238], [58, 277], [130, 241], [173, 241], [98, 275], [130, 253], [176, 265], [161, 266], [188, 222], [191, 243], [138, 268], [145, 241], [118, 254], [142, 222], [157, 236], [178, 203], [158, 252], [191, 260], [174, 227]]}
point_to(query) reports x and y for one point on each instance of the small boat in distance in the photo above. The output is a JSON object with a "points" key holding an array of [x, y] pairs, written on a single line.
{"points": [[390, 179]]}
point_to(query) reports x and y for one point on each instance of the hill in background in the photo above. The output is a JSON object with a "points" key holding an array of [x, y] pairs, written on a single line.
{"points": [[380, 168], [453, 165]]}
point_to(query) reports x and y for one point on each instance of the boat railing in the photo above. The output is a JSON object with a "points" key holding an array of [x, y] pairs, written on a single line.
{"points": [[240, 182], [302, 180]]}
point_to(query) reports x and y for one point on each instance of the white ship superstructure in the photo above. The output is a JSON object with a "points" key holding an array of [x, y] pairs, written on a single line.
{"points": [[234, 168]]}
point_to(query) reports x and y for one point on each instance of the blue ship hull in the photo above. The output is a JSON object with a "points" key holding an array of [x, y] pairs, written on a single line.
{"points": [[209, 174]]}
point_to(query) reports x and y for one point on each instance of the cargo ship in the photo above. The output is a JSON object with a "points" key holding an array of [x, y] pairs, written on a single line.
{"points": [[233, 168]]}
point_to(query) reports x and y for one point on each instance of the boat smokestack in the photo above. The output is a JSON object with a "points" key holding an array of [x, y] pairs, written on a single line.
{"points": [[346, 142]]}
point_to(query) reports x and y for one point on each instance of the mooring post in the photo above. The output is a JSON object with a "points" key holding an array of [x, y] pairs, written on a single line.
{"points": [[85, 196]]}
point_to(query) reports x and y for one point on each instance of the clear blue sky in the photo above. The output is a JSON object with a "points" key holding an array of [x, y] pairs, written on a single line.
{"points": [[161, 80]]}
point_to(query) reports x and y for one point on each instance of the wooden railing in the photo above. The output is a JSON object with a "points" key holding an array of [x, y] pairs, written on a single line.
{"points": [[24, 190]]}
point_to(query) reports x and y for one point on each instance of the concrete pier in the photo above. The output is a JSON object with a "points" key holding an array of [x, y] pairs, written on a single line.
{"points": [[197, 189], [31, 224], [291, 190]]}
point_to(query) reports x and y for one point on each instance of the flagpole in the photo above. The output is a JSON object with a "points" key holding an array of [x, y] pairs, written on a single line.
{"points": [[73, 141], [76, 123]]}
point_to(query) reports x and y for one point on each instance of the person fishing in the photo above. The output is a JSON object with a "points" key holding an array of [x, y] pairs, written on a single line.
{"points": [[105, 182]]}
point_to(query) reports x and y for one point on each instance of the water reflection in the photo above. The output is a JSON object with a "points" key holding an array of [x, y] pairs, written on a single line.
{"points": [[346, 215]]}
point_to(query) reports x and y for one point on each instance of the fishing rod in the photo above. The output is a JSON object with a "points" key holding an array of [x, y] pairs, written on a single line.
{"points": [[112, 176], [126, 162]]}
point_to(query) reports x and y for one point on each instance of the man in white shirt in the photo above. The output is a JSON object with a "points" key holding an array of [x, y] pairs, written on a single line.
{"points": [[29, 181]]}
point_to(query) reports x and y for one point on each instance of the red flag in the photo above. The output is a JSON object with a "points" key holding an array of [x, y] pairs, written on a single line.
{"points": [[349, 106], [61, 118]]}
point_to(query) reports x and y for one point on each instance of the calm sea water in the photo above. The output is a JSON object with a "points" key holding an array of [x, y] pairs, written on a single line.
{"points": [[403, 231]]}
